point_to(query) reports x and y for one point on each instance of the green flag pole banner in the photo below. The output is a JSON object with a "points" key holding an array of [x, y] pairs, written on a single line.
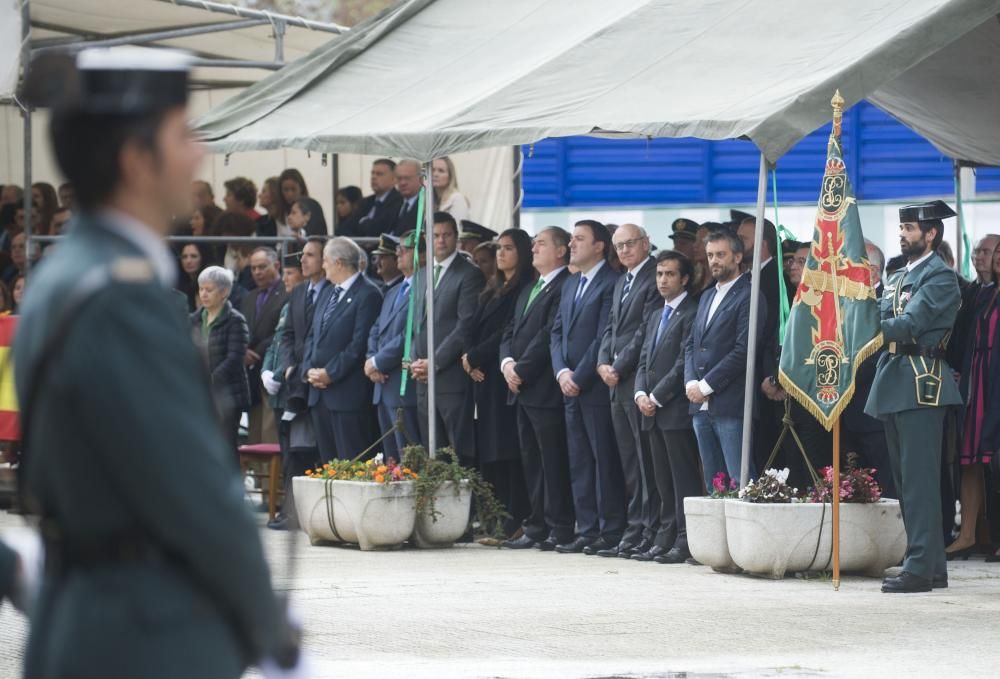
{"points": [[834, 323], [783, 235], [411, 302]]}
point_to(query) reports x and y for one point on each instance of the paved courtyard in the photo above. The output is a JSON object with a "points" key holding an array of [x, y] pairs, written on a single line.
{"points": [[474, 611]]}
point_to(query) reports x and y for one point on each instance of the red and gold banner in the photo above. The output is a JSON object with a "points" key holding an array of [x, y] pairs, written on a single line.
{"points": [[10, 429]]}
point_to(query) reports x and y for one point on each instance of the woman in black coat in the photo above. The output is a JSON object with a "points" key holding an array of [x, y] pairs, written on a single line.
{"points": [[497, 443], [225, 336]]}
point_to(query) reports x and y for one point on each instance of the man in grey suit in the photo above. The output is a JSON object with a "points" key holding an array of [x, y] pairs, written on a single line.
{"points": [[634, 298], [386, 343], [659, 394], [457, 284]]}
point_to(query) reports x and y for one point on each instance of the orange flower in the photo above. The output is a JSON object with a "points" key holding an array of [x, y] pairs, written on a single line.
{"points": [[309, 472], [382, 469], [379, 478]]}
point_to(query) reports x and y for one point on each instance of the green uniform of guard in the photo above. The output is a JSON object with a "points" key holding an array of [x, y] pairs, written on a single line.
{"points": [[154, 566], [914, 386]]}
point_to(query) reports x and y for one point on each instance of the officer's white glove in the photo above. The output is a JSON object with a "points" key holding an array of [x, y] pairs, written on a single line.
{"points": [[302, 670], [270, 385], [31, 556]]}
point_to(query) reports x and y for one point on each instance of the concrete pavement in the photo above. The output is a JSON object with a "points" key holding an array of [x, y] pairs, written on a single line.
{"points": [[474, 611]]}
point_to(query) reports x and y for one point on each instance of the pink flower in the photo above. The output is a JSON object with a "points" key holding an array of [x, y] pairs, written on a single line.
{"points": [[719, 482]]}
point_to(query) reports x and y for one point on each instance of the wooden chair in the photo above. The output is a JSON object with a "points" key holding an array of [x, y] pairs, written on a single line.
{"points": [[265, 453]]}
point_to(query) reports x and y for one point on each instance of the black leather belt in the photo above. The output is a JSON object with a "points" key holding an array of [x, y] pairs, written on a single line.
{"points": [[916, 350], [63, 555]]}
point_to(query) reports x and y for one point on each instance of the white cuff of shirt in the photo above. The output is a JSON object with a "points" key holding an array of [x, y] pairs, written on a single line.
{"points": [[374, 364], [560, 373], [653, 399], [637, 395], [505, 361], [705, 389]]}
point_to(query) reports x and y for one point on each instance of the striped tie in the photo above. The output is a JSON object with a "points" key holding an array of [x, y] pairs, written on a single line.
{"points": [[629, 277], [330, 305]]}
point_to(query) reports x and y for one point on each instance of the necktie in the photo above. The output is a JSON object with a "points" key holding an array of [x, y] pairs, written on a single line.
{"points": [[404, 289], [330, 305], [579, 289], [629, 277], [310, 302], [667, 310], [437, 274], [539, 284]]}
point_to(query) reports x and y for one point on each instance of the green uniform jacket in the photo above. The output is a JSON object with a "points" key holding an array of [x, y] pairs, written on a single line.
{"points": [[124, 441], [918, 307]]}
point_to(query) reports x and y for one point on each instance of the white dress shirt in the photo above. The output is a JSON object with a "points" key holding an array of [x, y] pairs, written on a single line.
{"points": [[444, 264], [910, 266]]}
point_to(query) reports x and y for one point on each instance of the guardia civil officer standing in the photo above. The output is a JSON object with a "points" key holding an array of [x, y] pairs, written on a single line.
{"points": [[154, 567], [913, 387]]}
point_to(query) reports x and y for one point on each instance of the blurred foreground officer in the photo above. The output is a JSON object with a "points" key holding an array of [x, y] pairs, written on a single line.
{"points": [[154, 567], [914, 386]]}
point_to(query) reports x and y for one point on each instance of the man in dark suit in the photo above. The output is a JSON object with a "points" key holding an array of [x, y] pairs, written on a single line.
{"points": [[377, 213], [659, 394], [526, 364], [386, 343], [769, 409], [262, 309], [409, 180], [715, 359], [634, 298], [595, 469], [457, 284], [335, 352]]}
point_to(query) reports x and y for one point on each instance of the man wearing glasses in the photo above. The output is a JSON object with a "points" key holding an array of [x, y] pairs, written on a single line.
{"points": [[634, 299]]}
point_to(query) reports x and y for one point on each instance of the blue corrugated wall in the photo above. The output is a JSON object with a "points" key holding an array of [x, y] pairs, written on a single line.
{"points": [[885, 161]]}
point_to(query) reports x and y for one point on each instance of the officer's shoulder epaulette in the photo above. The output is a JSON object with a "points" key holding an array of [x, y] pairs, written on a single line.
{"points": [[132, 270]]}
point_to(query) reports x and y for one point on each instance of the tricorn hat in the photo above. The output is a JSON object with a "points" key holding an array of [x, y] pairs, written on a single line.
{"points": [[936, 209], [684, 228]]}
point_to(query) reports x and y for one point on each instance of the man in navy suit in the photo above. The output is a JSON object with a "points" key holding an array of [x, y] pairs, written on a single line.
{"points": [[384, 366], [595, 469], [379, 212], [635, 297], [335, 352], [715, 359], [659, 394], [526, 364]]}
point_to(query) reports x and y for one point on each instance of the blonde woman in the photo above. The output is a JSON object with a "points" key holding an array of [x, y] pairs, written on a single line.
{"points": [[446, 195]]}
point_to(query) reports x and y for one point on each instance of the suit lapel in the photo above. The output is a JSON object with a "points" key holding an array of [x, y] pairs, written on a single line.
{"points": [[588, 294], [724, 305]]}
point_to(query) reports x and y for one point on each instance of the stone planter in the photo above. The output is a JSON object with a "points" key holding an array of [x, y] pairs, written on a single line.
{"points": [[453, 503], [706, 533], [371, 515], [772, 539]]}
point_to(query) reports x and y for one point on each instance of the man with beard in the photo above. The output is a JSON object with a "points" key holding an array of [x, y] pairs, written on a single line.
{"points": [[914, 386]]}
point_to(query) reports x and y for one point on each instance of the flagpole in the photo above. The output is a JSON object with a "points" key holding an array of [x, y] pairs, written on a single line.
{"points": [[835, 519], [750, 386], [428, 216]]}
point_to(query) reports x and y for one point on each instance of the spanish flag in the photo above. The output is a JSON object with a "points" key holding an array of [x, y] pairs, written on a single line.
{"points": [[10, 429]]}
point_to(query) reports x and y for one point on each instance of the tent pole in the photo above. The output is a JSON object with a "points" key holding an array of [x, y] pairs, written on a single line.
{"points": [[518, 180], [429, 278], [335, 179], [750, 386], [26, 114]]}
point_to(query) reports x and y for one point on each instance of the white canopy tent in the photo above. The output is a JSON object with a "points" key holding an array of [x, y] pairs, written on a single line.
{"points": [[433, 77]]}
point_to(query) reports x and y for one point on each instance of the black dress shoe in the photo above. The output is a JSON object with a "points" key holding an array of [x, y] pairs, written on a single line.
{"points": [[596, 546], [523, 542], [622, 549], [641, 548], [576, 546], [675, 555], [650, 554], [940, 582], [279, 522], [906, 583], [548, 544]]}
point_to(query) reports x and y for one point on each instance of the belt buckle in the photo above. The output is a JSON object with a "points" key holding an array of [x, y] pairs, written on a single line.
{"points": [[892, 347]]}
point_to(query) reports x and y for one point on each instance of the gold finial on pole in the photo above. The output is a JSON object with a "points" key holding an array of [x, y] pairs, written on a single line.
{"points": [[838, 112]]}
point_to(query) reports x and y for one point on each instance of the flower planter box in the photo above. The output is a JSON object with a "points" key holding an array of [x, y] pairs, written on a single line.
{"points": [[453, 503], [772, 539], [372, 515], [706, 533]]}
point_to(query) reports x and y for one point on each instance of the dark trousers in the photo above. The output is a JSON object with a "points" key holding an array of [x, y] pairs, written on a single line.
{"points": [[873, 452], [231, 430], [677, 469], [914, 442], [507, 480], [393, 445], [454, 424], [545, 461], [816, 441], [766, 429], [294, 462], [642, 501], [595, 472], [339, 435]]}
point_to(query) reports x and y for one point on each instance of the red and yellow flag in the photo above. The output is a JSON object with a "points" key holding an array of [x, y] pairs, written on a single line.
{"points": [[10, 429]]}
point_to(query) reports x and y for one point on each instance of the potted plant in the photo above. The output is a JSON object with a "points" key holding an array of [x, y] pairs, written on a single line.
{"points": [[445, 493], [370, 503], [772, 528], [706, 525]]}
